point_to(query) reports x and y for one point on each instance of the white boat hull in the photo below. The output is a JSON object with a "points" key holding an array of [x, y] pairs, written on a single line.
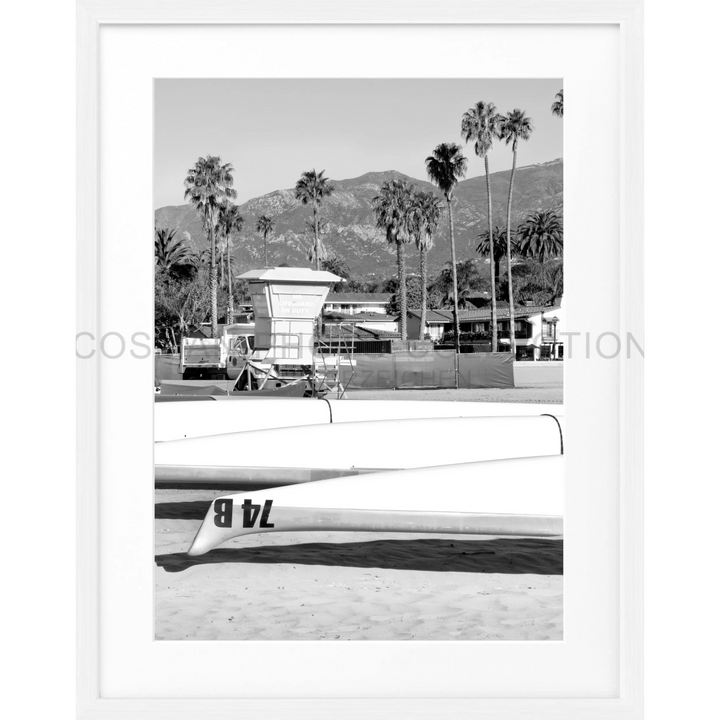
{"points": [[181, 420], [505, 497], [308, 453]]}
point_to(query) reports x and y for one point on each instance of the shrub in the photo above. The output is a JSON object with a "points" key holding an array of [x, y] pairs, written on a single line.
{"points": [[448, 338]]}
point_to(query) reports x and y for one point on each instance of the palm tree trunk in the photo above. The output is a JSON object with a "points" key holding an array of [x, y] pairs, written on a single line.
{"points": [[222, 266], [231, 300], [493, 299], [213, 282], [423, 291], [456, 319], [317, 236], [265, 237], [509, 255], [402, 289]]}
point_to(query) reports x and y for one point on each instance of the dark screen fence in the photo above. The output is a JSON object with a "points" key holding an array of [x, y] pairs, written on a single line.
{"points": [[401, 370], [167, 367], [435, 369]]}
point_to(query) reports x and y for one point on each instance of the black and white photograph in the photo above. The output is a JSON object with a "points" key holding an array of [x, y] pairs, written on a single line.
{"points": [[358, 359], [380, 411]]}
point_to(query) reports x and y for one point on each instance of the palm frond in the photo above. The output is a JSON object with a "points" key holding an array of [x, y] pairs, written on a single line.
{"points": [[392, 208], [322, 253], [540, 236], [425, 217], [312, 187], [499, 243], [171, 252], [481, 124], [516, 126], [208, 185], [446, 167], [229, 220], [265, 225]]}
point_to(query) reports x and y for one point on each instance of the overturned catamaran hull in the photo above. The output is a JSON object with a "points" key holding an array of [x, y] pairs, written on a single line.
{"points": [[505, 497], [272, 458], [180, 420]]}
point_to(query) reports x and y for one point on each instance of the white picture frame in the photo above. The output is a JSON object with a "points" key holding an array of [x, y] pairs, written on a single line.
{"points": [[627, 16]]}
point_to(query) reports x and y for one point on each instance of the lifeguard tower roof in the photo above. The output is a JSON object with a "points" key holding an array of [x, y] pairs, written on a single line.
{"points": [[292, 275]]}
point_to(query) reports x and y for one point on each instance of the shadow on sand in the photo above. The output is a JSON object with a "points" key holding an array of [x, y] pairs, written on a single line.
{"points": [[540, 556], [194, 510]]}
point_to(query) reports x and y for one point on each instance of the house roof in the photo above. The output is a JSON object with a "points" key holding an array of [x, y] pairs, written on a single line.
{"points": [[359, 317], [503, 313], [480, 314], [375, 298], [347, 332], [434, 316]]}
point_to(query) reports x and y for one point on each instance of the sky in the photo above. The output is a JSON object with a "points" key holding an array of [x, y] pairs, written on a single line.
{"points": [[271, 131]]}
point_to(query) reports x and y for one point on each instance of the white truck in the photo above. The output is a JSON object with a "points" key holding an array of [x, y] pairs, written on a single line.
{"points": [[219, 358], [232, 356]]}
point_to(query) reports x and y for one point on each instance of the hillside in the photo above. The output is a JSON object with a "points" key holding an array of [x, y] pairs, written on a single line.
{"points": [[351, 233]]}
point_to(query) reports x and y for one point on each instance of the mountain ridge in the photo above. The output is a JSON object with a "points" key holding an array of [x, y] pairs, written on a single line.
{"points": [[350, 233]]}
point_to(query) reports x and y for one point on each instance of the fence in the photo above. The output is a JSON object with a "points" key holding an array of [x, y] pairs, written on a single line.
{"points": [[434, 369], [475, 347], [412, 345], [400, 370], [347, 347], [167, 367]]}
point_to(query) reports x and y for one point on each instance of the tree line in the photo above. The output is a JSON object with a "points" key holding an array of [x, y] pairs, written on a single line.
{"points": [[407, 214], [188, 285]]}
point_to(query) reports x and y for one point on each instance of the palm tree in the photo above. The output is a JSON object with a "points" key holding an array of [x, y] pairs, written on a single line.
{"points": [[265, 225], [499, 235], [230, 263], [482, 123], [557, 106], [446, 166], [208, 185], [540, 240], [516, 126], [469, 280], [392, 213], [338, 267], [311, 189], [229, 221], [425, 216], [540, 236], [172, 255], [220, 247], [556, 282]]}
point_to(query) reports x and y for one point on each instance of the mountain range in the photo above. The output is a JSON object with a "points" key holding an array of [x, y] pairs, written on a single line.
{"points": [[350, 232]]}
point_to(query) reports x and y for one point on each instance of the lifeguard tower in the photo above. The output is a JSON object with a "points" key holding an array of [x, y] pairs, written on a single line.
{"points": [[286, 302]]}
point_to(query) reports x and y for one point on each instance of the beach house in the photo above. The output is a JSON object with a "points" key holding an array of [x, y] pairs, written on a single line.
{"points": [[353, 303], [538, 329]]}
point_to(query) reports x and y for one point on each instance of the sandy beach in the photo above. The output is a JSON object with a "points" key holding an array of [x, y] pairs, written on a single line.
{"points": [[361, 586]]}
